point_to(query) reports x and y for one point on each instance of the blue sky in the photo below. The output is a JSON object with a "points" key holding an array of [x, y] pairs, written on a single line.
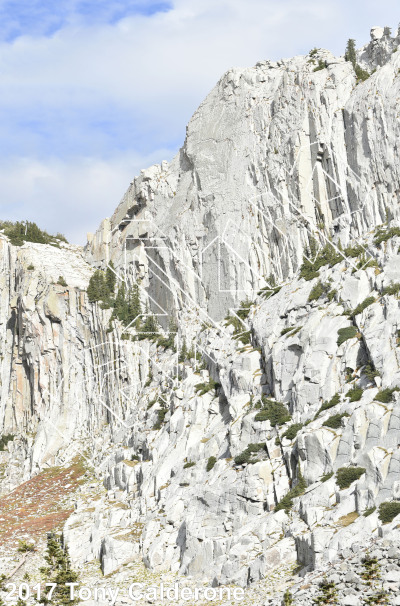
{"points": [[93, 91], [46, 17]]}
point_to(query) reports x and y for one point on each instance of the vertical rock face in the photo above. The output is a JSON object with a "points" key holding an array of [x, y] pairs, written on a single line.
{"points": [[275, 155], [226, 463]]}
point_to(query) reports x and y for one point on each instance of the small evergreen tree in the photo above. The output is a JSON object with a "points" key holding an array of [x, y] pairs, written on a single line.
{"points": [[184, 352], [97, 289], [350, 54], [111, 278], [134, 306]]}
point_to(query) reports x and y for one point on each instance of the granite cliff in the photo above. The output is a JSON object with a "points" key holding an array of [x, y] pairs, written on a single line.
{"points": [[261, 436]]}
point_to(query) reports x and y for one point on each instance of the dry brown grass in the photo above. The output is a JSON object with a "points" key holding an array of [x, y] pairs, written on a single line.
{"points": [[39, 505]]}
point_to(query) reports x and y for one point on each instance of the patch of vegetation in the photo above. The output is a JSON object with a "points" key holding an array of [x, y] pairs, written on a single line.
{"points": [[350, 55], [61, 281], [245, 457], [383, 235], [189, 464], [370, 371], [345, 476], [240, 333], [275, 412], [327, 256], [381, 597], [361, 306], [355, 394], [210, 463], [26, 231], [344, 334], [292, 431], [135, 458], [30, 267], [287, 598], [354, 251], [321, 290], [4, 440], [313, 52], [335, 422], [287, 502], [371, 569], [203, 388], [58, 571], [321, 65], [330, 404], [161, 414], [386, 395], [327, 476], [369, 511], [388, 511], [268, 292], [327, 593], [392, 289], [25, 547]]}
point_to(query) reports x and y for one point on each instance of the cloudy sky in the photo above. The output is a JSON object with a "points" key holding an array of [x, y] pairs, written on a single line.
{"points": [[91, 91]]}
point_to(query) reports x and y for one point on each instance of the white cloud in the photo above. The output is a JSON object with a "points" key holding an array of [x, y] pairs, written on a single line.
{"points": [[113, 92], [70, 197]]}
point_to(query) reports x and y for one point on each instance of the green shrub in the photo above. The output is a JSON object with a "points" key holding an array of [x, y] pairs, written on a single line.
{"points": [[327, 593], [385, 235], [354, 251], [360, 308], [330, 404], [327, 256], [275, 412], [286, 330], [319, 290], [388, 511], [321, 65], [286, 502], [30, 267], [61, 281], [392, 289], [335, 422], [355, 394], [385, 395], [210, 463], [135, 458], [267, 292], [287, 598], [245, 457], [345, 476], [4, 440], [326, 476], [161, 414], [25, 547], [203, 388], [344, 334], [369, 511], [370, 372], [189, 464], [361, 74], [292, 431]]}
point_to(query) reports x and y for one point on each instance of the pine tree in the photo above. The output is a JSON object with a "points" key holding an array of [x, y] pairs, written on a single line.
{"points": [[184, 352], [120, 306], [351, 52], [111, 279], [97, 289], [149, 329], [134, 306]]}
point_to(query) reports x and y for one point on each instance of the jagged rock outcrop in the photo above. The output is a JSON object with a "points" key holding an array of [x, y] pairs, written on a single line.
{"points": [[224, 464]]}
